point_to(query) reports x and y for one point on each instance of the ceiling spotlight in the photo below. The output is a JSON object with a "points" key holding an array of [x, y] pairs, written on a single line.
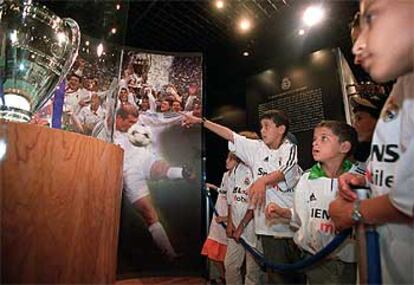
{"points": [[118, 6], [246, 53], [313, 15], [113, 31], [219, 4], [245, 25], [99, 50], [87, 43], [301, 32]]}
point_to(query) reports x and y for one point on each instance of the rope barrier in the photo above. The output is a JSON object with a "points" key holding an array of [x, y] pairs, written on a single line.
{"points": [[338, 240]]}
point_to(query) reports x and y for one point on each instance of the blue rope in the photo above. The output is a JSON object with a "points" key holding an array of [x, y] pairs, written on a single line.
{"points": [[338, 240]]}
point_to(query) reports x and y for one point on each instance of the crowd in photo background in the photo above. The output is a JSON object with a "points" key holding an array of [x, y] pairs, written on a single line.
{"points": [[154, 83], [161, 83]]}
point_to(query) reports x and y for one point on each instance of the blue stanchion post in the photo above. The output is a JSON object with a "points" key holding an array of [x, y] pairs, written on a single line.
{"points": [[373, 256], [372, 251], [58, 105]]}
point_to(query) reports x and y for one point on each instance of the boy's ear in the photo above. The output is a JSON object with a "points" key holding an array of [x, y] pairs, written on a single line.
{"points": [[345, 147], [281, 129]]}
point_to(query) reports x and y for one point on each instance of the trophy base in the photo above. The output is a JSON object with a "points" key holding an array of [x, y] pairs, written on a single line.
{"points": [[14, 114]]}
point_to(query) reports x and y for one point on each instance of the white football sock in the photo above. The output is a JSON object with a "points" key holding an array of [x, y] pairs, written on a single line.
{"points": [[161, 239]]}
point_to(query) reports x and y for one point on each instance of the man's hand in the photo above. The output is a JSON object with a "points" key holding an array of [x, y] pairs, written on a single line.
{"points": [[345, 183], [340, 211], [257, 194]]}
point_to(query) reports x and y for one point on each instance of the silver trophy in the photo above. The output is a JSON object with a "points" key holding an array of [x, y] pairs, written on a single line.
{"points": [[37, 49]]}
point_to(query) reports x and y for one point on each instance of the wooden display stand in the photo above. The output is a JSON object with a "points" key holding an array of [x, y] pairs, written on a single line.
{"points": [[60, 207]]}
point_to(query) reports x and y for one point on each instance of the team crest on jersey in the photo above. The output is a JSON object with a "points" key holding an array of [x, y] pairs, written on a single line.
{"points": [[247, 181], [390, 111]]}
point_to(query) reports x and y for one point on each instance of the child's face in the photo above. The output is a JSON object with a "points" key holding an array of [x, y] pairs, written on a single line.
{"points": [[271, 133], [386, 34], [325, 145], [231, 162], [364, 125]]}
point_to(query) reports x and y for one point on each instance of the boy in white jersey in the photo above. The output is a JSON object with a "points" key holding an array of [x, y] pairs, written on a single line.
{"points": [[215, 246], [390, 171], [239, 225], [273, 161], [333, 142]]}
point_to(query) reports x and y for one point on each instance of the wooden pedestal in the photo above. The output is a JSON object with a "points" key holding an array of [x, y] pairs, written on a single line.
{"points": [[60, 207]]}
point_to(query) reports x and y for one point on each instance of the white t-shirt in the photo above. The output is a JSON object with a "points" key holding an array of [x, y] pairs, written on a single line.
{"points": [[313, 194], [217, 232], [391, 170], [263, 160], [238, 199]]}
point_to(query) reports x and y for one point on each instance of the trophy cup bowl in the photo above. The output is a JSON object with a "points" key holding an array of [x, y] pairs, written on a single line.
{"points": [[37, 49]]}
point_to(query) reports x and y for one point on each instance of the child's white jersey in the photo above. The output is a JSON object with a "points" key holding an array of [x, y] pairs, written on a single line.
{"points": [[238, 199], [313, 194], [391, 171], [263, 160], [217, 232]]}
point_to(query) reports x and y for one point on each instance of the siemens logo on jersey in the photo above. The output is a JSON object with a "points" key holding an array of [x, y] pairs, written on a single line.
{"points": [[383, 153], [319, 213], [386, 153]]}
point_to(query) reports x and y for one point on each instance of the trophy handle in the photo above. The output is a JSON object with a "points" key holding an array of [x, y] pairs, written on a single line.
{"points": [[75, 38]]}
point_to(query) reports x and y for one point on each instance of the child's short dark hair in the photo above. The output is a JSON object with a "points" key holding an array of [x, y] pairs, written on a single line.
{"points": [[343, 131], [279, 117], [233, 156]]}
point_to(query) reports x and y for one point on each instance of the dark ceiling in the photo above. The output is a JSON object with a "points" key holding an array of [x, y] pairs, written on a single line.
{"points": [[198, 26], [195, 25]]}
